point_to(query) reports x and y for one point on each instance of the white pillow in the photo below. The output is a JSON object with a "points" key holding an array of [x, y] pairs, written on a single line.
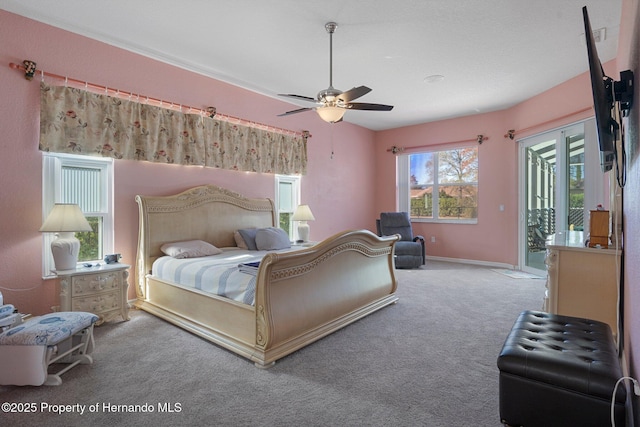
{"points": [[190, 249], [271, 239]]}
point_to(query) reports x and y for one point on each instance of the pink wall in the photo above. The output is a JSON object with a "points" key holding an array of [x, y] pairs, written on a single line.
{"points": [[493, 238], [629, 58], [340, 190]]}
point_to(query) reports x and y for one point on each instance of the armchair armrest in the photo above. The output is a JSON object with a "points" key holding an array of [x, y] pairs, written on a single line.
{"points": [[10, 321], [421, 240]]}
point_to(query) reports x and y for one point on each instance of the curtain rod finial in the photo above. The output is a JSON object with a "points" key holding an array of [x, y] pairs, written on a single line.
{"points": [[211, 111], [29, 69], [511, 134]]}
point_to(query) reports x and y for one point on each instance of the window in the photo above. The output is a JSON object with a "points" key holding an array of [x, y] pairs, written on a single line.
{"points": [[287, 199], [88, 182], [440, 185]]}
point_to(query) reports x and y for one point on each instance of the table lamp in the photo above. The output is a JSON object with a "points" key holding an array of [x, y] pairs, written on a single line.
{"points": [[302, 215], [64, 220]]}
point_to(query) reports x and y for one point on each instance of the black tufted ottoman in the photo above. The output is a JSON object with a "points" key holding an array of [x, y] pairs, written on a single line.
{"points": [[559, 371]]}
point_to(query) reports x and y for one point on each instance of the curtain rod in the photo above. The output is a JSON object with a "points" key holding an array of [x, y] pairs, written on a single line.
{"points": [[511, 133], [395, 150], [209, 112]]}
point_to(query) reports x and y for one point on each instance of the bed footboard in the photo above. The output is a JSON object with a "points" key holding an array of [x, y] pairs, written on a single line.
{"points": [[305, 295]]}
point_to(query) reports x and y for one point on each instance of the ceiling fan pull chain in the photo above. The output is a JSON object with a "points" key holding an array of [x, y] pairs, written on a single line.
{"points": [[331, 141]]}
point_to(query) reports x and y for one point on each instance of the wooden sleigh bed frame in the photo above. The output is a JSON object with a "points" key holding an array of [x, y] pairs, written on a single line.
{"points": [[301, 296]]}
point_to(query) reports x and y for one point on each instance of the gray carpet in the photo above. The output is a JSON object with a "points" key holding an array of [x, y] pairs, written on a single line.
{"points": [[429, 360]]}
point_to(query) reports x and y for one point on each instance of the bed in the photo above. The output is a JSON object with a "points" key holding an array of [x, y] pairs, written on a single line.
{"points": [[301, 295]]}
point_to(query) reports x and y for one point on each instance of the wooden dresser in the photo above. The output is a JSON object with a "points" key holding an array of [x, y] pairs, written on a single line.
{"points": [[582, 281], [101, 290]]}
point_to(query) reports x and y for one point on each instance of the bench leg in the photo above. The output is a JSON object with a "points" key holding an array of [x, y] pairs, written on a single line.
{"points": [[72, 351]]}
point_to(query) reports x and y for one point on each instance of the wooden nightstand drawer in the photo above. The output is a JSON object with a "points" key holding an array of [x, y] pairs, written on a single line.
{"points": [[98, 303], [95, 283]]}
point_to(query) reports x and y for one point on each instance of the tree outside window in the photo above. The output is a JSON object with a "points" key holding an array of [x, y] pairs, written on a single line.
{"points": [[443, 185]]}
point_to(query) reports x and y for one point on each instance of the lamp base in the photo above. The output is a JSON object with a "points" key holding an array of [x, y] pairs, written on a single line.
{"points": [[65, 249], [303, 231]]}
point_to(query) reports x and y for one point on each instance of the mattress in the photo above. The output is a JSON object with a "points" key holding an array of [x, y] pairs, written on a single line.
{"points": [[231, 274]]}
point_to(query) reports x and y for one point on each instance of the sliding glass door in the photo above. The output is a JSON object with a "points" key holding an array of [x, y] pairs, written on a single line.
{"points": [[559, 183], [538, 215]]}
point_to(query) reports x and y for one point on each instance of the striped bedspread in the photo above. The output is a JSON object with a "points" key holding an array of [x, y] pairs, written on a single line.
{"points": [[222, 274]]}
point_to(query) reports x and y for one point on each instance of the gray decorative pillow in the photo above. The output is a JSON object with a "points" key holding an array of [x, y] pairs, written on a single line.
{"points": [[271, 239], [239, 240], [190, 249], [249, 237]]}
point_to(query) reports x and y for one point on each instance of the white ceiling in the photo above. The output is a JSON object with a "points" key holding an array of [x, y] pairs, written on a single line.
{"points": [[493, 54]]}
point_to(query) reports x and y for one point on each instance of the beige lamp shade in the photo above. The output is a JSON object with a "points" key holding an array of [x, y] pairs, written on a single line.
{"points": [[65, 219], [330, 114], [303, 214]]}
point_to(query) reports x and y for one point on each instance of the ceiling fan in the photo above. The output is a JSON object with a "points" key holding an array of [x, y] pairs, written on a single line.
{"points": [[332, 103]]}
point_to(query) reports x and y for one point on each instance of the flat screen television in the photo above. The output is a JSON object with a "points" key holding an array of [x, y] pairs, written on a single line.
{"points": [[611, 100], [603, 100]]}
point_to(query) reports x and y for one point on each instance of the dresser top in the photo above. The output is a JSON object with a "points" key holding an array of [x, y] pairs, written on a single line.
{"points": [[102, 267], [572, 240]]}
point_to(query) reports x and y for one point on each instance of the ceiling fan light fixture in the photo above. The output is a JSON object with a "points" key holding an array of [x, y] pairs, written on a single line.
{"points": [[332, 103], [330, 114]]}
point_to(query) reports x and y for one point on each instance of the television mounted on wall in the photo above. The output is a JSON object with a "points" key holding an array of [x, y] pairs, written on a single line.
{"points": [[607, 96]]}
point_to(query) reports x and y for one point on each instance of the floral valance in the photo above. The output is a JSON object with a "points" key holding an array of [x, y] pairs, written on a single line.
{"points": [[77, 121]]}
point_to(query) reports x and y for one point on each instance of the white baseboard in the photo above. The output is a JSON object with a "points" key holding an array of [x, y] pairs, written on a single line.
{"points": [[475, 262]]}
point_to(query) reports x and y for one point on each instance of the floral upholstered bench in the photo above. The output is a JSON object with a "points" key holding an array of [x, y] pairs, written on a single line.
{"points": [[27, 350]]}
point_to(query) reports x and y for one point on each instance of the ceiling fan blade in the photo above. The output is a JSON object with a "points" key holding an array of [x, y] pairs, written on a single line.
{"points": [[299, 110], [354, 93], [365, 106], [304, 98]]}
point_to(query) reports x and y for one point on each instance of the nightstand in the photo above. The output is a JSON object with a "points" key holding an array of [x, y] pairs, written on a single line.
{"points": [[101, 290]]}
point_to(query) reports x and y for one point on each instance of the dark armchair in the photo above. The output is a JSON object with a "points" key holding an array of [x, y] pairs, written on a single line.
{"points": [[409, 250]]}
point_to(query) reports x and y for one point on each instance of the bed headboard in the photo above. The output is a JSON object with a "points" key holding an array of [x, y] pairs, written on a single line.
{"points": [[207, 212]]}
